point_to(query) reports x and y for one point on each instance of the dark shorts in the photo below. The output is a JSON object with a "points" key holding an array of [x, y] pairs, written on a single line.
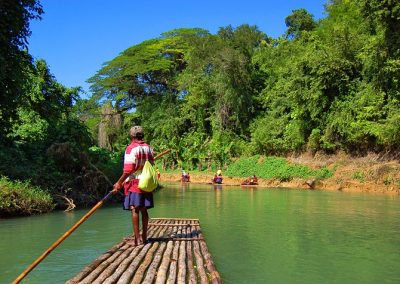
{"points": [[138, 199]]}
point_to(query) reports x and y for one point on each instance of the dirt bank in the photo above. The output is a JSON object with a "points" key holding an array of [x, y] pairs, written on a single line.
{"points": [[366, 174]]}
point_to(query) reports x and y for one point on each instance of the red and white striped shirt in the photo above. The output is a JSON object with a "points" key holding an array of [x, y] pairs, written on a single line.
{"points": [[136, 155]]}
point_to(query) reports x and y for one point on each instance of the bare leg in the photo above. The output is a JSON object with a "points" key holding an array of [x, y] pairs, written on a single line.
{"points": [[135, 224], [145, 222]]}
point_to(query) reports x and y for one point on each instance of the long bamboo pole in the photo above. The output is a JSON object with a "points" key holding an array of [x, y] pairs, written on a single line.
{"points": [[69, 232]]}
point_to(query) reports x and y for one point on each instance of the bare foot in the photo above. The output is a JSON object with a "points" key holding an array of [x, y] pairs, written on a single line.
{"points": [[131, 240], [139, 241]]}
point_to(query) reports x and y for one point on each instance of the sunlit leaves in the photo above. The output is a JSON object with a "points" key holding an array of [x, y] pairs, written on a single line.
{"points": [[144, 69]]}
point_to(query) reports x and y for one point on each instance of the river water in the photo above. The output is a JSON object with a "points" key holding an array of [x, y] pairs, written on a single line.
{"points": [[254, 235]]}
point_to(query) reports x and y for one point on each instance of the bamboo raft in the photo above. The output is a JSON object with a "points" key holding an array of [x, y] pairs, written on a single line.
{"points": [[176, 252]]}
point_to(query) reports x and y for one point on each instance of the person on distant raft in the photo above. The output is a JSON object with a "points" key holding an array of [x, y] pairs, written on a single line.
{"points": [[219, 173], [254, 180], [185, 177], [136, 200], [217, 179], [158, 174]]}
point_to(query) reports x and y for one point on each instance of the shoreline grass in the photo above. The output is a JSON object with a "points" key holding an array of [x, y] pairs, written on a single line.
{"points": [[23, 199]]}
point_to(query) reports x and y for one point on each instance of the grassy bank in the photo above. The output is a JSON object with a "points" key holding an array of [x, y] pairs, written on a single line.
{"points": [[21, 198], [275, 168], [338, 172]]}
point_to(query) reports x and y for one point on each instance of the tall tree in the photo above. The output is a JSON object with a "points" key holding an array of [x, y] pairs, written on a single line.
{"points": [[14, 32], [300, 20], [144, 78]]}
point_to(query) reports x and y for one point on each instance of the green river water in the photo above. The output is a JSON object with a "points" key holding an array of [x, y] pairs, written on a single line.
{"points": [[254, 235]]}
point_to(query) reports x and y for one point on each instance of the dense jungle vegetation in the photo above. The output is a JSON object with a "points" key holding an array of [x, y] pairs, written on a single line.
{"points": [[324, 85]]}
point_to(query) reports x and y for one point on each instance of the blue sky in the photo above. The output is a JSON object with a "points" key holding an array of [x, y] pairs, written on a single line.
{"points": [[76, 37]]}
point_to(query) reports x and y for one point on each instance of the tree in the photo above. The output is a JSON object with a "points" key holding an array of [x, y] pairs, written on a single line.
{"points": [[300, 20], [14, 60], [221, 79], [148, 69], [145, 78]]}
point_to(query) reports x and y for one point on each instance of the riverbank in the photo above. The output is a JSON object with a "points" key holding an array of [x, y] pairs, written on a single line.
{"points": [[22, 199], [365, 174]]}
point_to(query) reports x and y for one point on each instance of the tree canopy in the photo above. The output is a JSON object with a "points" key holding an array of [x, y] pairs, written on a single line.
{"points": [[326, 85]]}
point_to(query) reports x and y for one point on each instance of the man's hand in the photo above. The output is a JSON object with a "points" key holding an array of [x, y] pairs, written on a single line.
{"points": [[116, 187]]}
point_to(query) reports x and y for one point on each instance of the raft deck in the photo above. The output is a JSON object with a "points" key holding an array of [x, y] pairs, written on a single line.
{"points": [[176, 252]]}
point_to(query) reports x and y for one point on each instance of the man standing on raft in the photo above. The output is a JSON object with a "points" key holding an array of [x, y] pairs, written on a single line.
{"points": [[136, 200]]}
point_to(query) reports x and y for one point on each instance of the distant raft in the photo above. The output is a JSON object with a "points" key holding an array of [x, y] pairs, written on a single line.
{"points": [[176, 252]]}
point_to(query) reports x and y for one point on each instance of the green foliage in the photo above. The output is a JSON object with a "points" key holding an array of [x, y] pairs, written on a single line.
{"points": [[22, 198], [143, 70], [273, 168], [31, 127], [300, 20], [220, 77], [325, 85], [359, 176], [314, 141], [108, 162], [48, 139], [14, 61], [330, 79]]}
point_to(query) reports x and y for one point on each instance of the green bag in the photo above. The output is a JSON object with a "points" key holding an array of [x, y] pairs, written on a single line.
{"points": [[148, 178]]}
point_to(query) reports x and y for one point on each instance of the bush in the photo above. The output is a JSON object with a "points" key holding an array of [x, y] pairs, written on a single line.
{"points": [[21, 198], [110, 163], [274, 168]]}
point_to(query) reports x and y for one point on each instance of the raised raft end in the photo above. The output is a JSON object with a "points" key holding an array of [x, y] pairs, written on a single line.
{"points": [[176, 252]]}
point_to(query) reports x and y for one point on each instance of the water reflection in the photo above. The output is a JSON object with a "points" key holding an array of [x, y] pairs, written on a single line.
{"points": [[217, 186], [255, 235]]}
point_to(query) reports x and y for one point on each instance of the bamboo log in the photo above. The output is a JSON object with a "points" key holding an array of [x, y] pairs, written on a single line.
{"points": [[137, 278], [175, 224], [179, 219], [164, 231], [190, 265], [180, 230], [172, 268], [152, 270], [194, 230], [150, 230], [112, 266], [170, 232], [182, 263], [122, 267], [175, 239], [214, 275], [160, 230], [182, 252], [189, 232], [93, 275], [163, 269], [86, 270], [127, 275], [153, 266], [199, 263]]}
